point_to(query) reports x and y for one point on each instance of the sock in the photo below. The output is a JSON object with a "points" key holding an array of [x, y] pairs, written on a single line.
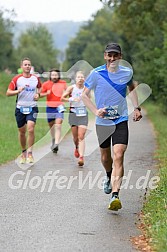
{"points": [[114, 194]]}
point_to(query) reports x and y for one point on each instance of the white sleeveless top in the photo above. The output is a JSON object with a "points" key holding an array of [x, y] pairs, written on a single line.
{"points": [[76, 93]]}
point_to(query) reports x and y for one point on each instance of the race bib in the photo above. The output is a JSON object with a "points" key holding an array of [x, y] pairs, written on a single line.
{"points": [[25, 110], [80, 111], [111, 112], [60, 108]]}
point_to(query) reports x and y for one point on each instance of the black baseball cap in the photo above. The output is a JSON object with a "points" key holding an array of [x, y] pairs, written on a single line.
{"points": [[113, 47]]}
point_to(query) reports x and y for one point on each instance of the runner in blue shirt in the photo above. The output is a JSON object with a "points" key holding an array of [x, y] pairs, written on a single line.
{"points": [[109, 83]]}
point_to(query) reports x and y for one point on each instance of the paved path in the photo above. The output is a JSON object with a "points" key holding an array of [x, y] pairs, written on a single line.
{"points": [[73, 216]]}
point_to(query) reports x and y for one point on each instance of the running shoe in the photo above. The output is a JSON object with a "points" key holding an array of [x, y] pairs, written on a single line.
{"points": [[107, 185], [115, 203], [55, 148], [81, 161], [22, 159], [30, 158], [76, 153]]}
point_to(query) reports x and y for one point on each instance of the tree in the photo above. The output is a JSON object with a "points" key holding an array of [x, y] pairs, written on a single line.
{"points": [[142, 27], [6, 47], [37, 44], [91, 39]]}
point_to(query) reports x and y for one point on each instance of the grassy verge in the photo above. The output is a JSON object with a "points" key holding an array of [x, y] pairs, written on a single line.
{"points": [[155, 208]]}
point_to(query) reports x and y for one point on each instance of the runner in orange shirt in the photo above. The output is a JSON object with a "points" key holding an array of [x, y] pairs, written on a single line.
{"points": [[53, 90]]}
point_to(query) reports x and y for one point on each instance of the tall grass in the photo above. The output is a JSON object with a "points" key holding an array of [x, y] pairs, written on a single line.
{"points": [[155, 208]]}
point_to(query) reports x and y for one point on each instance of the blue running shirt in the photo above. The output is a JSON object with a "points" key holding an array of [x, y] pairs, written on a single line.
{"points": [[110, 90]]}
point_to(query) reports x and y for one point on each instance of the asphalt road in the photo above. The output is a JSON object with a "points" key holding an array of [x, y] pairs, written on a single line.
{"points": [[57, 206]]}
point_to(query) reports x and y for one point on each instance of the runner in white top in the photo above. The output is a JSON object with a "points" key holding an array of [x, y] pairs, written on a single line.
{"points": [[78, 116], [27, 87], [75, 101]]}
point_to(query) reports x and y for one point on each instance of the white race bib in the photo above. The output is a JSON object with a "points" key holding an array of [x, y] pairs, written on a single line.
{"points": [[80, 111], [60, 108], [25, 110]]}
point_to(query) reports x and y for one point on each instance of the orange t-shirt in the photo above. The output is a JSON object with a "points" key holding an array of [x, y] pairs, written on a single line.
{"points": [[57, 89]]}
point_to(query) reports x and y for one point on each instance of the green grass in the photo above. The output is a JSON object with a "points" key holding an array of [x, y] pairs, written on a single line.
{"points": [[155, 208]]}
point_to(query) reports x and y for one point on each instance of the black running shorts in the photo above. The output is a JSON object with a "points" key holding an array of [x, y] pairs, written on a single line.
{"points": [[22, 119], [119, 134]]}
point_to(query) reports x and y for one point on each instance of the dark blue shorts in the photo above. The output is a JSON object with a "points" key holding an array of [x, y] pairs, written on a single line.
{"points": [[22, 119], [52, 114], [119, 134]]}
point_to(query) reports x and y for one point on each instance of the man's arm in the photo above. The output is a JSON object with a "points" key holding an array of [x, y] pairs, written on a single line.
{"points": [[44, 90], [133, 96], [90, 105], [37, 95], [11, 92], [43, 94]]}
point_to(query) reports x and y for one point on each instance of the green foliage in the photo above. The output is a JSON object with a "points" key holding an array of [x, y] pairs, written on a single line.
{"points": [[91, 39], [4, 82], [6, 47], [143, 25], [62, 31], [74, 52], [140, 26], [37, 44]]}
